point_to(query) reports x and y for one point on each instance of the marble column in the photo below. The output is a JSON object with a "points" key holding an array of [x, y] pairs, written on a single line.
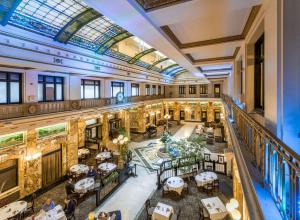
{"points": [[210, 112], [72, 143], [32, 168], [141, 119], [127, 123], [105, 130], [176, 111]]}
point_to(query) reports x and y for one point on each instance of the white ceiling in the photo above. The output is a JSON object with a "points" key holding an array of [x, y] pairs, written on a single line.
{"points": [[191, 21]]}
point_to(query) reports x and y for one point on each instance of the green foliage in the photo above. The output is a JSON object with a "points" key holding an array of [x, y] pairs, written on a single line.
{"points": [[166, 138], [121, 131]]}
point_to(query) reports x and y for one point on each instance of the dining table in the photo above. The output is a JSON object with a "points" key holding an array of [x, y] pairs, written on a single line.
{"points": [[205, 177], [84, 185], [175, 183], [103, 155], [107, 167], [13, 209], [79, 169], [162, 211], [54, 214], [82, 152], [215, 208]]}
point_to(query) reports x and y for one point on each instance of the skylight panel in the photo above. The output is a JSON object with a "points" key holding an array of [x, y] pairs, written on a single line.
{"points": [[55, 13]]}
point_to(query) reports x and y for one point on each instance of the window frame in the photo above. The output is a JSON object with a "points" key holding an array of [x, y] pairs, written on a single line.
{"points": [[83, 83], [8, 80], [153, 90], [158, 90], [181, 90], [44, 82], [14, 167], [192, 89], [147, 89], [121, 85], [203, 87], [135, 85]]}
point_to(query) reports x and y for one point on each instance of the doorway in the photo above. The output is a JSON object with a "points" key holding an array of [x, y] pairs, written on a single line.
{"points": [[203, 116], [51, 167], [171, 113], [182, 115], [217, 88]]}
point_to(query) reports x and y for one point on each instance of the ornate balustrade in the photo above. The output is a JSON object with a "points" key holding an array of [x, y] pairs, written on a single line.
{"points": [[30, 109], [277, 163]]}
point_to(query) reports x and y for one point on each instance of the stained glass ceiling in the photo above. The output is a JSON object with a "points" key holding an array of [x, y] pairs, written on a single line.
{"points": [[73, 22]]}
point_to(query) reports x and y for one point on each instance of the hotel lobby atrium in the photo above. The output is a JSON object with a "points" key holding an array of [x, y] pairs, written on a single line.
{"points": [[149, 110]]}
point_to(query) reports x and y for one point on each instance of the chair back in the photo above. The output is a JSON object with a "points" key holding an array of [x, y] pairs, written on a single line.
{"points": [[147, 203]]}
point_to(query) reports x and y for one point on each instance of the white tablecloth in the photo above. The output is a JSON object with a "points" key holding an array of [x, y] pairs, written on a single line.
{"points": [[103, 155], [162, 212], [79, 168], [12, 209], [83, 151], [82, 186], [107, 167], [55, 214], [215, 208], [175, 183], [205, 177]]}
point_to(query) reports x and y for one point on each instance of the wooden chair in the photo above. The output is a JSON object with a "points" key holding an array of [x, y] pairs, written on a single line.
{"points": [[216, 184], [175, 216], [149, 209], [203, 214], [208, 188], [186, 188]]}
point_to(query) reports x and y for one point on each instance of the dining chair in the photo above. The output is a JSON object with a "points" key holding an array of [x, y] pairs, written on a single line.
{"points": [[203, 214], [149, 209], [208, 188]]}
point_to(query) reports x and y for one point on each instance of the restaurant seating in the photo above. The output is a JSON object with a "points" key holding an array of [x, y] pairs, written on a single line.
{"points": [[30, 205], [165, 190], [149, 209], [175, 216], [186, 188], [203, 214], [216, 184], [208, 188]]}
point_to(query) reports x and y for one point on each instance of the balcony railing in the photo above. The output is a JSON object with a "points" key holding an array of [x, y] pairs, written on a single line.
{"points": [[276, 164], [38, 108]]}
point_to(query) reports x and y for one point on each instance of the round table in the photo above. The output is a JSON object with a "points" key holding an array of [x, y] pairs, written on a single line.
{"points": [[103, 155], [175, 183], [79, 169], [107, 167], [82, 186], [13, 209], [205, 177], [83, 151]]}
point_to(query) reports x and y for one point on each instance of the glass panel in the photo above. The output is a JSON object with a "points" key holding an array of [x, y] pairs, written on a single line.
{"points": [[3, 76], [59, 92], [49, 92], [81, 92], [89, 92], [97, 92], [3, 92], [14, 92], [49, 79], [55, 13], [40, 92], [14, 76]]}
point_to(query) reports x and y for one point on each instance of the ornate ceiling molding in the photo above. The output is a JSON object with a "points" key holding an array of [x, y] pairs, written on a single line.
{"points": [[151, 5]]}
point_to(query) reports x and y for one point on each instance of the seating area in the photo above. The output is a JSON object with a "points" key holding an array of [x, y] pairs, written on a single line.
{"points": [[190, 204]]}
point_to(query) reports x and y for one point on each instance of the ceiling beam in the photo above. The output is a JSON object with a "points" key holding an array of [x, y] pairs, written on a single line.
{"points": [[157, 62], [7, 8], [254, 11], [213, 59], [168, 67], [112, 41], [68, 31], [140, 55], [179, 68]]}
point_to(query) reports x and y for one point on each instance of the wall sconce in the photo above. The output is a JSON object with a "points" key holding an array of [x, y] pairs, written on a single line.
{"points": [[33, 156]]}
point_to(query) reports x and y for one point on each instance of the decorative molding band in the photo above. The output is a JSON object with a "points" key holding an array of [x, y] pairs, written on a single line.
{"points": [[140, 55], [151, 5]]}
